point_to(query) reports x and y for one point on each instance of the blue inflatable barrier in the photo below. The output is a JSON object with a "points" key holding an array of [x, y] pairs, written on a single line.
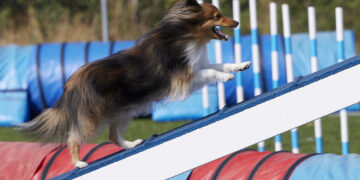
{"points": [[32, 77], [75, 57], [53, 64], [13, 66], [13, 107]]}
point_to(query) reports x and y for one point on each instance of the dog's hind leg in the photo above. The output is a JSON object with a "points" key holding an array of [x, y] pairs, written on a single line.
{"points": [[74, 143], [115, 135]]}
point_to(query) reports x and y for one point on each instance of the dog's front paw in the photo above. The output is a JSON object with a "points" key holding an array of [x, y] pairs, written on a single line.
{"points": [[131, 144], [236, 67], [241, 66], [225, 77], [245, 65]]}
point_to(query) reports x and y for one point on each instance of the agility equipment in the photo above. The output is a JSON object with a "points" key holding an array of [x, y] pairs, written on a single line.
{"points": [[33, 76], [314, 67], [289, 65], [249, 164], [219, 60], [255, 56], [340, 52], [207, 139], [22, 161], [237, 50], [274, 60]]}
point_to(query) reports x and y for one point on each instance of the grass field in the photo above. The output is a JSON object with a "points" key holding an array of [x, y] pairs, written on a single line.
{"points": [[145, 128]]}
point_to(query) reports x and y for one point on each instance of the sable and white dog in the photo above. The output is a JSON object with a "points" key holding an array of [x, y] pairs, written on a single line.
{"points": [[169, 62]]}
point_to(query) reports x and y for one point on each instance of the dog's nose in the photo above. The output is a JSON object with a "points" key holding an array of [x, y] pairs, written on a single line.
{"points": [[236, 23]]}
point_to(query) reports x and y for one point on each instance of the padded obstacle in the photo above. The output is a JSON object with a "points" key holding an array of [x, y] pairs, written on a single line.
{"points": [[32, 77], [23, 161], [233, 128], [281, 165]]}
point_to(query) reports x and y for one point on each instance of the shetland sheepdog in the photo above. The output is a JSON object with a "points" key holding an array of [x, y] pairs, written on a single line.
{"points": [[168, 63]]}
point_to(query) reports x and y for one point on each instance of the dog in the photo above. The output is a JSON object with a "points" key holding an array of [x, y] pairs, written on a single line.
{"points": [[167, 63]]}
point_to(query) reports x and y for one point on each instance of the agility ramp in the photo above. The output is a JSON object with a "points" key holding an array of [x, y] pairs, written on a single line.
{"points": [[233, 128]]}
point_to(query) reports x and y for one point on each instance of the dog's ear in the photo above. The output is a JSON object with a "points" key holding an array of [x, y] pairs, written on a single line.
{"points": [[191, 3]]}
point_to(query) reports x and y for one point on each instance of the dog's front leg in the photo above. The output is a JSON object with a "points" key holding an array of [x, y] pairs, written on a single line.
{"points": [[229, 67], [209, 76]]}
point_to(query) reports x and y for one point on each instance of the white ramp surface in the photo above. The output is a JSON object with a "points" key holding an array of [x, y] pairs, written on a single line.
{"points": [[233, 128]]}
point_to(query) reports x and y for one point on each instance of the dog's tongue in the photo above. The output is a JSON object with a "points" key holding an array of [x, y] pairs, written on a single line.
{"points": [[221, 34]]}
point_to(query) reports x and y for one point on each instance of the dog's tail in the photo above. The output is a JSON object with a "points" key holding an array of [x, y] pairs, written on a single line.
{"points": [[50, 125]]}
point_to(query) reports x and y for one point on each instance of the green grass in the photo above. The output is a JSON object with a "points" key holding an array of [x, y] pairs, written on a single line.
{"points": [[145, 128], [331, 136], [138, 128]]}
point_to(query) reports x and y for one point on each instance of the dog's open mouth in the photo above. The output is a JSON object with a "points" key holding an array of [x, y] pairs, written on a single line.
{"points": [[220, 34]]}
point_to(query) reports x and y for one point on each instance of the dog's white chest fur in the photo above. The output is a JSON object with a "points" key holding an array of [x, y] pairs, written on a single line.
{"points": [[202, 73], [197, 55], [197, 58]]}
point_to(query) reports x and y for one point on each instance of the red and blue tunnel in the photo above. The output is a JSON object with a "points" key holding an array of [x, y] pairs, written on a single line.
{"points": [[34, 161]]}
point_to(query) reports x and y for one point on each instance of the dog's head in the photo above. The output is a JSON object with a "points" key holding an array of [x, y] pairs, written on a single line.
{"points": [[200, 19]]}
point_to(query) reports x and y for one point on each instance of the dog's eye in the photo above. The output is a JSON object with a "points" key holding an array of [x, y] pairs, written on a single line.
{"points": [[218, 16]]}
